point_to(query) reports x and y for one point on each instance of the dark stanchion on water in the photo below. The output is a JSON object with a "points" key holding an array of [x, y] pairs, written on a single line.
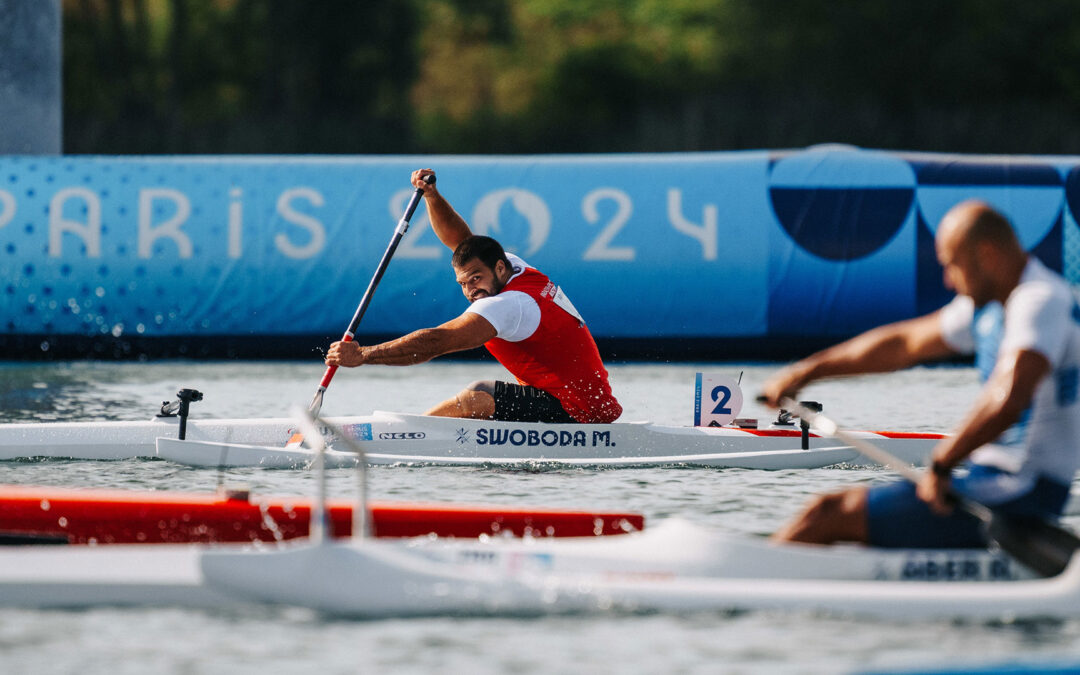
{"points": [[785, 417], [813, 406], [181, 407]]}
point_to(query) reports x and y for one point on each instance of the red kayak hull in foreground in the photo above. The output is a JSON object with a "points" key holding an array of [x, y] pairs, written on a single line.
{"points": [[128, 517]]}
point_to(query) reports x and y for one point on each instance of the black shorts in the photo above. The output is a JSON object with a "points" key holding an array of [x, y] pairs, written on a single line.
{"points": [[520, 403]]}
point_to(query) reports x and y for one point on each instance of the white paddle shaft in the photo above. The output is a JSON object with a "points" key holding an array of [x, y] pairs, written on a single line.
{"points": [[879, 455], [831, 428]]}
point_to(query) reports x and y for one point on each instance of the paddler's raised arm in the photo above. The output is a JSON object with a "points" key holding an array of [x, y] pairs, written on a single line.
{"points": [[880, 350], [447, 223]]}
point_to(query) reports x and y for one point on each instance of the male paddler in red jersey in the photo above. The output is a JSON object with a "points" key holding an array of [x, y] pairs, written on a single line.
{"points": [[523, 319]]}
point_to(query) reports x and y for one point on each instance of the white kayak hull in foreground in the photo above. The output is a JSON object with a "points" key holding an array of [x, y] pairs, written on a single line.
{"points": [[674, 566]]}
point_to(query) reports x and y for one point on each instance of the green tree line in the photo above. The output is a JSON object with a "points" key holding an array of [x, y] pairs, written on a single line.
{"points": [[529, 76]]}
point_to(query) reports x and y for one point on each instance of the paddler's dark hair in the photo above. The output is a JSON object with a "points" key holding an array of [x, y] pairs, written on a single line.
{"points": [[489, 251]]}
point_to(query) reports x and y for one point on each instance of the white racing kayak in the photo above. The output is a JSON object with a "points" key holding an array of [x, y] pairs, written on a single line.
{"points": [[392, 438], [401, 438], [674, 566], [209, 454], [398, 438]]}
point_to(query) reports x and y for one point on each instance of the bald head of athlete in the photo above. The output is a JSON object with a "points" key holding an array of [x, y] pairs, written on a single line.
{"points": [[979, 251]]}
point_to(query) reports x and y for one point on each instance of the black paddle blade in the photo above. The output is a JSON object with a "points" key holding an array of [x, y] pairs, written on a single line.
{"points": [[1042, 547]]}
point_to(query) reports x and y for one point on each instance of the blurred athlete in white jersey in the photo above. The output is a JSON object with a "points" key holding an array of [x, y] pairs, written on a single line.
{"points": [[1019, 444]]}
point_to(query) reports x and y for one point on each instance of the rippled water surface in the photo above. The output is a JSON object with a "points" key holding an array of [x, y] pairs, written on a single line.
{"points": [[275, 640]]}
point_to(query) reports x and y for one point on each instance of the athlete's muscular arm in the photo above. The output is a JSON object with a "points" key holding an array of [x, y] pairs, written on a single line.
{"points": [[448, 225], [465, 332], [1001, 402], [892, 347]]}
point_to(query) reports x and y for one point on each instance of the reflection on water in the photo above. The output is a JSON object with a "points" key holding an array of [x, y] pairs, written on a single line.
{"points": [[55, 393], [81, 391]]}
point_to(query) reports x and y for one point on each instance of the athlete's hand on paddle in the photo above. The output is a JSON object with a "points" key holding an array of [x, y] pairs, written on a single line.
{"points": [[935, 490], [783, 385], [421, 181], [348, 354]]}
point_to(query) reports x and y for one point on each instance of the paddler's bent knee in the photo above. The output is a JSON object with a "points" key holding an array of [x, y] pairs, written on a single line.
{"points": [[470, 403], [830, 518]]}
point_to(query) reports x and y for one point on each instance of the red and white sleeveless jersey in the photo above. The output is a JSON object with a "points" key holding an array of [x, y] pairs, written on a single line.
{"points": [[544, 342]]}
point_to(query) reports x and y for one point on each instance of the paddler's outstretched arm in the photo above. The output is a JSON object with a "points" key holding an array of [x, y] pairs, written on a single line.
{"points": [[885, 349], [1003, 399], [467, 331], [447, 223]]}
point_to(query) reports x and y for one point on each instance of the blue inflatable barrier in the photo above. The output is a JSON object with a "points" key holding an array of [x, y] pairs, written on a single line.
{"points": [[753, 248]]}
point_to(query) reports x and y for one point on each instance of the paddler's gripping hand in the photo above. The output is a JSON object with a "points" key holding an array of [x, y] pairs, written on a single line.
{"points": [[935, 490], [425, 180], [347, 354], [784, 384]]}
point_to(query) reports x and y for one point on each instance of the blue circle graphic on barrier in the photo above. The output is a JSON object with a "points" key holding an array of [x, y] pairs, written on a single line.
{"points": [[1029, 194], [841, 203]]}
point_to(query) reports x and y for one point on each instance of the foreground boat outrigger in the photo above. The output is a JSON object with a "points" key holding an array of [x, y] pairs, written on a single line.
{"points": [[672, 567], [97, 517]]}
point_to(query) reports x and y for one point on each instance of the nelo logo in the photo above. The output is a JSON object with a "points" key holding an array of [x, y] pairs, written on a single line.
{"points": [[401, 435]]}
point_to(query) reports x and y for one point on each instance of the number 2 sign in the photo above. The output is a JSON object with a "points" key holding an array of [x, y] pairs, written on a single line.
{"points": [[717, 399]]}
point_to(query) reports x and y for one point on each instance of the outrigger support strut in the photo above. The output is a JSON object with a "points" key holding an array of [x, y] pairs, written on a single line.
{"points": [[184, 399], [785, 417], [813, 406]]}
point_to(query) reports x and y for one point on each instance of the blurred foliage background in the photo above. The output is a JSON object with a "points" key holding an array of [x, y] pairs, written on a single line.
{"points": [[529, 76]]}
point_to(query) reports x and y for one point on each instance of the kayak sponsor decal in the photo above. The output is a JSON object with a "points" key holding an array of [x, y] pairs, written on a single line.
{"points": [[360, 432], [463, 436], [477, 557], [639, 575], [548, 438], [529, 563], [515, 562], [401, 435], [962, 568]]}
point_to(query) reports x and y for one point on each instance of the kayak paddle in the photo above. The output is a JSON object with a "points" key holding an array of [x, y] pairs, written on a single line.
{"points": [[350, 333]]}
